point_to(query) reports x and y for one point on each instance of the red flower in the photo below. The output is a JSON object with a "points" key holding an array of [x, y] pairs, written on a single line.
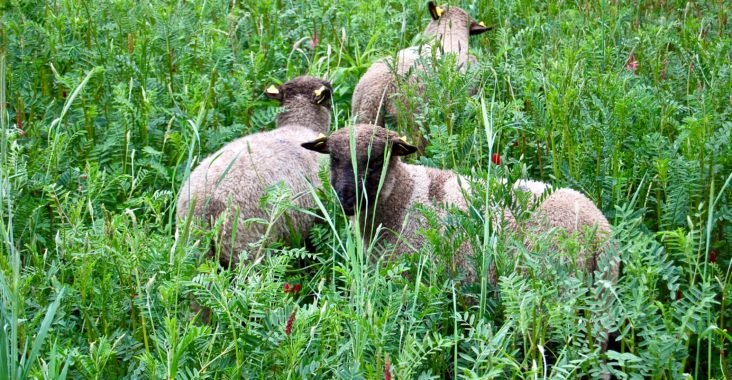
{"points": [[632, 63], [712, 256], [496, 158], [292, 288], [290, 321]]}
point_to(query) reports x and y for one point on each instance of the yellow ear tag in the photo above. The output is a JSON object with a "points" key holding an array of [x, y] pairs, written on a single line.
{"points": [[322, 136], [319, 91], [404, 139], [272, 90], [481, 24], [439, 11]]}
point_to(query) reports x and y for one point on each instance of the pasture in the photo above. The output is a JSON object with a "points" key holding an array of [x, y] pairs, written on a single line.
{"points": [[105, 108]]}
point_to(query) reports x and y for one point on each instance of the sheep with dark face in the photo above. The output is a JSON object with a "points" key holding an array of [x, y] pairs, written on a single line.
{"points": [[234, 179], [373, 97], [391, 203], [375, 151]]}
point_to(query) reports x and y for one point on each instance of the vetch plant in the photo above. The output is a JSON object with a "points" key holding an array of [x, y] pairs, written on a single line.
{"points": [[106, 106]]}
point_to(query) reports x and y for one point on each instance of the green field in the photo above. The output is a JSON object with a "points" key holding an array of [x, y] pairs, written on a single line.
{"points": [[105, 105]]}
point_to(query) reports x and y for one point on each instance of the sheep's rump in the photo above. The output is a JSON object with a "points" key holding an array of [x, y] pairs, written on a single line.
{"points": [[235, 178], [568, 212]]}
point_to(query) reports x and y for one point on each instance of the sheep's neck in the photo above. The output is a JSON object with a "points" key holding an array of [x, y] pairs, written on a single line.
{"points": [[454, 40], [315, 119], [393, 203]]}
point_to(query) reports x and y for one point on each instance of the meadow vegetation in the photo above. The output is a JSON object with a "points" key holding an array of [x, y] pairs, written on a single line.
{"points": [[105, 106]]}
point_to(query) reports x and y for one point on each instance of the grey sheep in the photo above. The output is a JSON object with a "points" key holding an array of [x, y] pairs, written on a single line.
{"points": [[405, 186], [235, 178], [373, 95]]}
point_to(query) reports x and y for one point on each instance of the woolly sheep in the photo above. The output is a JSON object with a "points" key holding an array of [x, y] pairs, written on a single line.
{"points": [[235, 178], [405, 186], [451, 26]]}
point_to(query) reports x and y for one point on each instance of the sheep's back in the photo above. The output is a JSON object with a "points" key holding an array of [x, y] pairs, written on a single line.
{"points": [[378, 84], [536, 188], [409, 57], [371, 92], [438, 190], [436, 186], [239, 174]]}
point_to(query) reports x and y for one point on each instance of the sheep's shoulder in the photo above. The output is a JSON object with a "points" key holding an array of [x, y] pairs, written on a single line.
{"points": [[443, 186]]}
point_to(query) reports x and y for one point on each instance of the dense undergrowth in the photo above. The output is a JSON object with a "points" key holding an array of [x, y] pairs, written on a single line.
{"points": [[106, 104]]}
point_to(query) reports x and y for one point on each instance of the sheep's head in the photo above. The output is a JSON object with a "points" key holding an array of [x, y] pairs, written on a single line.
{"points": [[359, 153], [306, 101], [304, 89], [453, 17]]}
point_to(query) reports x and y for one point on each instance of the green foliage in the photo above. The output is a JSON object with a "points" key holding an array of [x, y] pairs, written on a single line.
{"points": [[106, 106]]}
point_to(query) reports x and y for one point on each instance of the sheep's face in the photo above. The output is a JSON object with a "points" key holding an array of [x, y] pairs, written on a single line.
{"points": [[453, 17], [367, 148], [302, 91]]}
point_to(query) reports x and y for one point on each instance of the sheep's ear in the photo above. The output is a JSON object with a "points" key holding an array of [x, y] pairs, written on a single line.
{"points": [[319, 145], [273, 92], [478, 28], [321, 94], [435, 11], [400, 147]]}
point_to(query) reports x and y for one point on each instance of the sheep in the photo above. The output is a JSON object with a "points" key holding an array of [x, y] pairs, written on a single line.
{"points": [[395, 188], [373, 95], [405, 186], [234, 179]]}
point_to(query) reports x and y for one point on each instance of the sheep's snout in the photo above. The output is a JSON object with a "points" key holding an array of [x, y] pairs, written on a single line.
{"points": [[348, 203], [347, 196]]}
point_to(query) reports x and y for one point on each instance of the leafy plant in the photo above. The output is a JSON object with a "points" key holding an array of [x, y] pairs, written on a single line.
{"points": [[105, 107]]}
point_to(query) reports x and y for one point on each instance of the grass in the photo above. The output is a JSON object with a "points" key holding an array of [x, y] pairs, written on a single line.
{"points": [[105, 106]]}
